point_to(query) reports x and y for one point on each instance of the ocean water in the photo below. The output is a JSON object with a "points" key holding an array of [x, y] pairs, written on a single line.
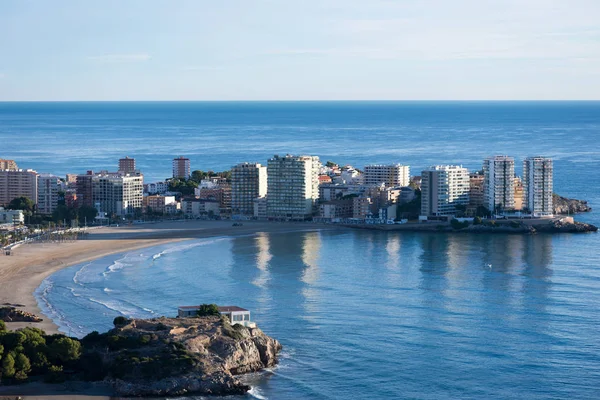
{"points": [[374, 315], [361, 315]]}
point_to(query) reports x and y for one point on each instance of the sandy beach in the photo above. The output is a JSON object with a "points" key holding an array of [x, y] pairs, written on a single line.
{"points": [[23, 271]]}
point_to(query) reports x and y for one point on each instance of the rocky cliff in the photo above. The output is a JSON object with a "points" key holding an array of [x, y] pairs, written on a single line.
{"points": [[176, 356], [563, 205]]}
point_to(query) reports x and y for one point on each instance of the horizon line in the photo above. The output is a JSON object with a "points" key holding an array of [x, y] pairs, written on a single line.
{"points": [[311, 101]]}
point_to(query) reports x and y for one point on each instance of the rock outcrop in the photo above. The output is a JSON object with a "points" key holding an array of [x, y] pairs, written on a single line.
{"points": [[558, 226], [563, 205], [176, 356], [12, 314]]}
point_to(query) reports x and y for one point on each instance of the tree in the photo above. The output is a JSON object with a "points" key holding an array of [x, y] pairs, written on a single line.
{"points": [[22, 366], [87, 213], [120, 321], [198, 175], [208, 310], [22, 203], [65, 349], [477, 221], [460, 209], [330, 164], [2, 328], [8, 366]]}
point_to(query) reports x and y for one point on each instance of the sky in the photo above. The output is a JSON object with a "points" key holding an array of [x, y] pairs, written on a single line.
{"points": [[299, 50]]}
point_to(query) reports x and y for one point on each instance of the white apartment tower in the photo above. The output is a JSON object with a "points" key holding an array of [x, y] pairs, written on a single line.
{"points": [[293, 187], [118, 193], [499, 182], [391, 175], [443, 187], [181, 168], [538, 185], [47, 199], [248, 182]]}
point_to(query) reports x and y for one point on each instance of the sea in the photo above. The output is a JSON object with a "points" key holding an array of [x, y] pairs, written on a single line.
{"points": [[360, 314]]}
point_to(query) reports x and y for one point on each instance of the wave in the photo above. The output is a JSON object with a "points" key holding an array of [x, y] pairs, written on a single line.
{"points": [[256, 393], [41, 295], [115, 266], [180, 248]]}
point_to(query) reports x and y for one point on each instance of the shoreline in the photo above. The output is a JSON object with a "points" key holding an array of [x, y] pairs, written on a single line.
{"points": [[24, 271]]}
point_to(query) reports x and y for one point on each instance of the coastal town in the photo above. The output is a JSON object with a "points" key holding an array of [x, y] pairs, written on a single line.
{"points": [[287, 188]]}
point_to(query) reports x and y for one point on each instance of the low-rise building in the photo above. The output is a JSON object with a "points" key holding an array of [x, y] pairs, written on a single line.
{"points": [[11, 216], [361, 207], [156, 187], [160, 204], [235, 314], [194, 208], [260, 208], [336, 209]]}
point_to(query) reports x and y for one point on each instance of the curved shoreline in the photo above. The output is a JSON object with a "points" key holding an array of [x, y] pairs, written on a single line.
{"points": [[24, 271]]}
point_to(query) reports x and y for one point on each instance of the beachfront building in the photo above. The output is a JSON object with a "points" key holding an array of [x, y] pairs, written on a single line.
{"points": [[390, 175], [48, 188], [293, 187], [235, 314], [160, 204], [8, 164], [194, 208], [499, 183], [443, 188], [538, 185], [260, 208], [11, 216], [181, 168], [114, 192], [336, 209], [127, 165], [248, 182], [18, 183]]}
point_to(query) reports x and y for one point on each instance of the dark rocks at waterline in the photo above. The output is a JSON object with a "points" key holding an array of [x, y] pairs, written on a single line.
{"points": [[563, 205], [559, 226], [12, 314]]}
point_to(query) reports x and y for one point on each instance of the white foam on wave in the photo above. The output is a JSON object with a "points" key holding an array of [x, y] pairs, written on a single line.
{"points": [[41, 295], [256, 393], [107, 290], [183, 247], [115, 266]]}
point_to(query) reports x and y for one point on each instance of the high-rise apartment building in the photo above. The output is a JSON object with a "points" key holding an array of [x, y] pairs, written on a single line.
{"points": [[538, 185], [499, 183], [443, 187], [248, 182], [83, 189], [390, 175], [293, 186], [117, 193], [18, 183], [181, 168], [127, 165], [8, 164], [47, 199], [476, 198]]}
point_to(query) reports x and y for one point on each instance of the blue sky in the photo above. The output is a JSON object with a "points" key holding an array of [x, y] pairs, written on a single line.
{"points": [[299, 50]]}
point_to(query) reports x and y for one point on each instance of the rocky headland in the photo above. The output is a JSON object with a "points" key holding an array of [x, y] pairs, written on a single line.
{"points": [[145, 358], [563, 205]]}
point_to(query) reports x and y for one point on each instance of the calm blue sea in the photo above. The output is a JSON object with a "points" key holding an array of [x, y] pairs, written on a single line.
{"points": [[361, 315]]}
